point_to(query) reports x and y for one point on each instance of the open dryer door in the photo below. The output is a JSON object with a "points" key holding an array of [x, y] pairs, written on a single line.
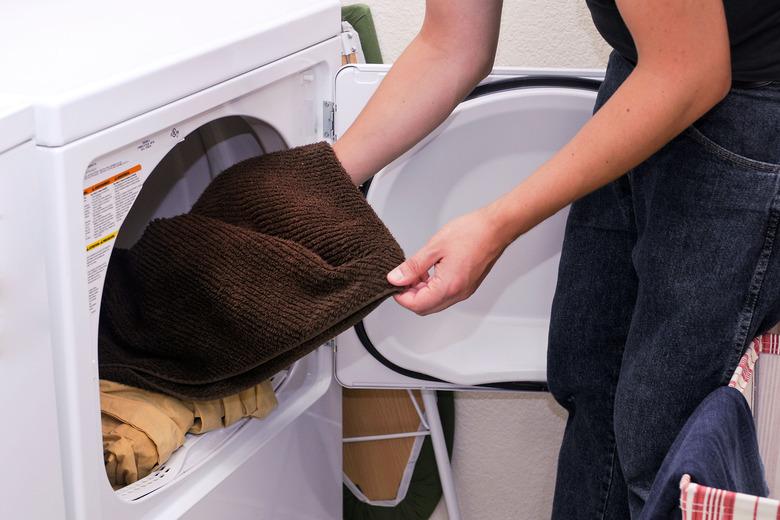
{"points": [[498, 136]]}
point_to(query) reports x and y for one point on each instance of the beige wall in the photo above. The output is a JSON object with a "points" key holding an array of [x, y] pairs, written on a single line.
{"points": [[507, 444], [541, 33]]}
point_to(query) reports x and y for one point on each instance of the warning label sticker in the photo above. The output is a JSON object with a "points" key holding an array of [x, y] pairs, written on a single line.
{"points": [[106, 203]]}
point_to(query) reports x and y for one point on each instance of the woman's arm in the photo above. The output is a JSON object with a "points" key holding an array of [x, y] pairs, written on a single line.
{"points": [[453, 51], [683, 70]]}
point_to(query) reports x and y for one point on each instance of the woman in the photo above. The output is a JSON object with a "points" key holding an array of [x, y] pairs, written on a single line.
{"points": [[669, 265]]}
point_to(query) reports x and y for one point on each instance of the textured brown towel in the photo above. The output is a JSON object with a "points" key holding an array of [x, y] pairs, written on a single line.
{"points": [[280, 254]]}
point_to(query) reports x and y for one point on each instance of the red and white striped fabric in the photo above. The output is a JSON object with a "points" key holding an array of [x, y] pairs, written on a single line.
{"points": [[768, 343], [747, 366], [705, 503]]}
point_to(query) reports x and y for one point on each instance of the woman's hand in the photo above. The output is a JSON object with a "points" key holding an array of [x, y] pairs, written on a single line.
{"points": [[461, 255]]}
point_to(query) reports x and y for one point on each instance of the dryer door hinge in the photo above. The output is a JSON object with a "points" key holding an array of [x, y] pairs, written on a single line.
{"points": [[329, 120]]}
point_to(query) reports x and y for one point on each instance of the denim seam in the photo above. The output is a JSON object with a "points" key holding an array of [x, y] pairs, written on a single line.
{"points": [[613, 441], [756, 285], [728, 155], [611, 479]]}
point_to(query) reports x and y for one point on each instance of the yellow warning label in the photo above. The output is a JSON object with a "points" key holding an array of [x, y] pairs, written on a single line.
{"points": [[101, 241]]}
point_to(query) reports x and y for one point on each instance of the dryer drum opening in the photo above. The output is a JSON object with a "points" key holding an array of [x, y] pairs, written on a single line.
{"points": [[279, 254]]}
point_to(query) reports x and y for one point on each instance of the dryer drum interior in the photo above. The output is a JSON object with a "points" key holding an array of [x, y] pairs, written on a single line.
{"points": [[171, 189]]}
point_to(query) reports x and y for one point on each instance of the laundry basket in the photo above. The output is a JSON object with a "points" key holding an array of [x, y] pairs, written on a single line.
{"points": [[700, 502]]}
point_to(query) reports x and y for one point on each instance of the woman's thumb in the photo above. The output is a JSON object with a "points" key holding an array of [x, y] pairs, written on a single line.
{"points": [[413, 269]]}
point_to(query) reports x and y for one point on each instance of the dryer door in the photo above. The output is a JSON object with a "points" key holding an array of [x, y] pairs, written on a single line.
{"points": [[503, 131]]}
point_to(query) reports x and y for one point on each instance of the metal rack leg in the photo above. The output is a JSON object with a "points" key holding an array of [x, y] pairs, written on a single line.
{"points": [[442, 457]]}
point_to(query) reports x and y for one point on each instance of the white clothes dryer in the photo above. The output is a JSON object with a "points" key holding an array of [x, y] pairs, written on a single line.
{"points": [[31, 477], [136, 108]]}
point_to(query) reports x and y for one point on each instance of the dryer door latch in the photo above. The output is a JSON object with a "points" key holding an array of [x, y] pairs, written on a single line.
{"points": [[329, 120]]}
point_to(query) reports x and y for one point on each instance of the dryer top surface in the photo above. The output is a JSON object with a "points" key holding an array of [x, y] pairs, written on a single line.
{"points": [[16, 122], [106, 62]]}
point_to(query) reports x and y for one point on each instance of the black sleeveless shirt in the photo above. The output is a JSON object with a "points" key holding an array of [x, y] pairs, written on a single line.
{"points": [[754, 31]]}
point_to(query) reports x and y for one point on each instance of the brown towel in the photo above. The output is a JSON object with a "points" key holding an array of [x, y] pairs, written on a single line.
{"points": [[141, 429], [280, 254]]}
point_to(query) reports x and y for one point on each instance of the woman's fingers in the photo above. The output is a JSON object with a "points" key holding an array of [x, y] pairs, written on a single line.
{"points": [[461, 253], [414, 269], [423, 291], [424, 297]]}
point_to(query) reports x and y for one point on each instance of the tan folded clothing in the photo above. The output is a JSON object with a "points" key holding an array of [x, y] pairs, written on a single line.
{"points": [[257, 402], [141, 429]]}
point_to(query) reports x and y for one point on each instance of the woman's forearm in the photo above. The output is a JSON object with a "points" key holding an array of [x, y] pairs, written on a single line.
{"points": [[684, 69], [435, 72], [641, 117]]}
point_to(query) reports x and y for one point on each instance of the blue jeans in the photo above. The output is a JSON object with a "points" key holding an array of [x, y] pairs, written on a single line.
{"points": [[666, 274]]}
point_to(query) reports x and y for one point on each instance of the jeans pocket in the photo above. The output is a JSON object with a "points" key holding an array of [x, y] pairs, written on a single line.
{"points": [[728, 155]]}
